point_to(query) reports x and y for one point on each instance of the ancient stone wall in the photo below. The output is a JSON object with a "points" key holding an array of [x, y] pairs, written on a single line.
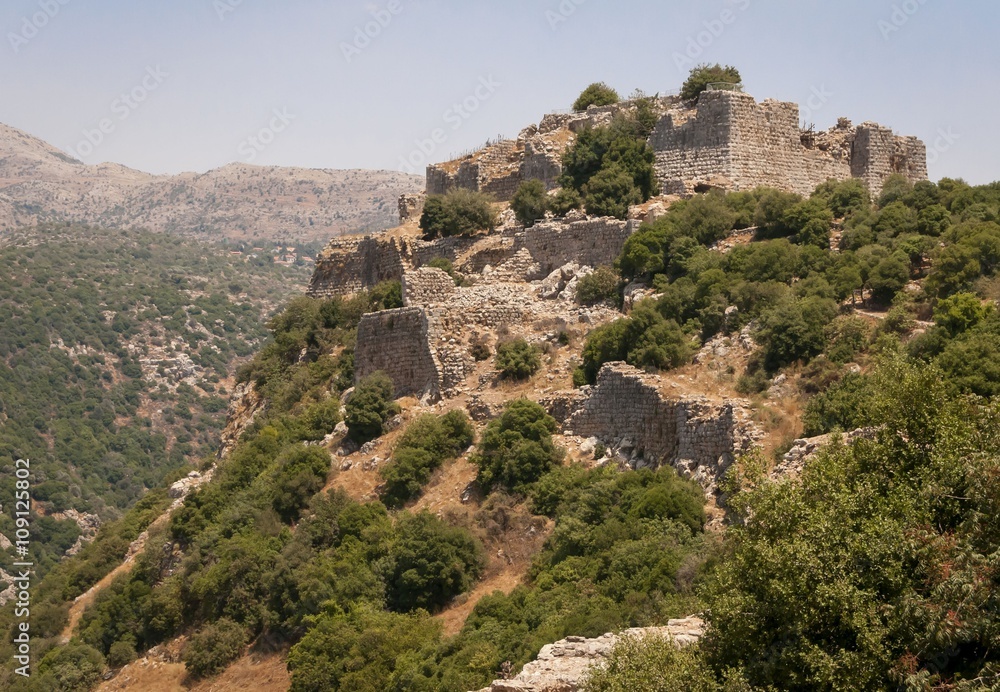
{"points": [[589, 242], [494, 169], [350, 265], [397, 342], [729, 140], [627, 410], [427, 286], [411, 207], [878, 153]]}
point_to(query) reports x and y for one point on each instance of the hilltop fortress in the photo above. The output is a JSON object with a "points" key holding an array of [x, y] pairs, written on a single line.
{"points": [[725, 140], [522, 281]]}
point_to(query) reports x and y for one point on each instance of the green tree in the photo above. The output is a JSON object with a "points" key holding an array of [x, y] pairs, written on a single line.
{"points": [[214, 647], [426, 444], [74, 668], [517, 359], [795, 330], [704, 75], [357, 650], [886, 542], [611, 192], [432, 563], [459, 212], [530, 202], [564, 201], [517, 449], [301, 473], [597, 94], [961, 312], [599, 286], [652, 664], [370, 407]]}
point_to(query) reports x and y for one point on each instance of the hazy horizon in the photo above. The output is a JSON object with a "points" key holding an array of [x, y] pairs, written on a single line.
{"points": [[197, 84]]}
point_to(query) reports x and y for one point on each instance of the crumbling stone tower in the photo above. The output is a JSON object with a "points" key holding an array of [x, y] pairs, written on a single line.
{"points": [[724, 140], [730, 141]]}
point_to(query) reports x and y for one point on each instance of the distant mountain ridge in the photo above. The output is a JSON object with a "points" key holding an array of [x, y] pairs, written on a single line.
{"points": [[40, 183]]}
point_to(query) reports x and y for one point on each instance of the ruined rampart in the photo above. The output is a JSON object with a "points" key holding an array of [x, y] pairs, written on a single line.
{"points": [[626, 409], [397, 342], [728, 140]]}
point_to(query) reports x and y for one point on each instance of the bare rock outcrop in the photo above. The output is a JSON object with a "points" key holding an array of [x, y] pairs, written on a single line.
{"points": [[564, 666], [244, 406]]}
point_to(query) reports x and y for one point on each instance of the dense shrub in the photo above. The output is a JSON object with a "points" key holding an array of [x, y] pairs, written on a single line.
{"points": [[597, 287], [431, 563], [517, 359], [597, 94], [703, 75], [357, 649], [459, 212], [427, 443], [530, 202], [644, 340], [961, 312], [888, 539], [74, 668], [370, 407], [611, 167], [843, 406], [795, 330], [611, 192], [214, 647], [564, 201], [652, 664], [301, 473], [517, 448]]}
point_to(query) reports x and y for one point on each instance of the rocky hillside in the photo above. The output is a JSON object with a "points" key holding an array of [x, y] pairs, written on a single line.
{"points": [[40, 183]]}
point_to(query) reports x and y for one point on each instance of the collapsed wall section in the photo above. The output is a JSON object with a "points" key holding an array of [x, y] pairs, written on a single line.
{"points": [[397, 342], [347, 266], [699, 438], [351, 265]]}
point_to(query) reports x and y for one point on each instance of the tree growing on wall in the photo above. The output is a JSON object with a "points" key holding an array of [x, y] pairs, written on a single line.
{"points": [[704, 75]]}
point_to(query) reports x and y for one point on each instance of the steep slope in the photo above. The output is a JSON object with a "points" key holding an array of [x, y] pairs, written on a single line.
{"points": [[40, 183]]}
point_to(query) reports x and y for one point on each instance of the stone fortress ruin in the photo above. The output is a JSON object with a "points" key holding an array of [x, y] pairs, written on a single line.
{"points": [[724, 140], [521, 281]]}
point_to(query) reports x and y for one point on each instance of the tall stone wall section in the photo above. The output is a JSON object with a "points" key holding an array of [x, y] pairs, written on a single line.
{"points": [[699, 438], [351, 265], [495, 169], [397, 342], [591, 242], [427, 286], [693, 146], [730, 141], [878, 153]]}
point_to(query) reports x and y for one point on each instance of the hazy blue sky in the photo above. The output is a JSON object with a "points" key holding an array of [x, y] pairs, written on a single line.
{"points": [[211, 74]]}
